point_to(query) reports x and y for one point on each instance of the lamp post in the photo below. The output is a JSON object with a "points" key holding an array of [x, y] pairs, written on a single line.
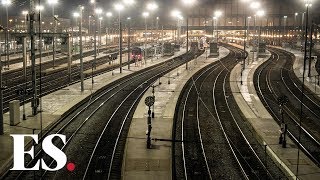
{"points": [[129, 24], [248, 30], [260, 14], [284, 27], [295, 20], [308, 4], [152, 7], [25, 13], [214, 21], [119, 7], [188, 3], [177, 15], [53, 3], [6, 4], [97, 49], [109, 15], [81, 51], [217, 14], [145, 15], [254, 6], [100, 36], [89, 29], [1, 97]]}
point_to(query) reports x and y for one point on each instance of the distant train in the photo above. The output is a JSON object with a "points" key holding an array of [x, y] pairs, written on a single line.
{"points": [[214, 49], [201, 46], [136, 54], [177, 47], [168, 49], [194, 46]]}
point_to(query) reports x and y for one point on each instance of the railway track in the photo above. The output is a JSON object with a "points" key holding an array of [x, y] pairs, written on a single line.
{"points": [[96, 132], [51, 82], [276, 78], [215, 141]]}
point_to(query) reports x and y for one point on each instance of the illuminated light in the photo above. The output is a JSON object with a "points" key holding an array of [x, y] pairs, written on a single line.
{"points": [[39, 7], [255, 5], [145, 14], [52, 1], [188, 2], [260, 13], [98, 11], [152, 6], [6, 2], [109, 14], [128, 2], [218, 13], [76, 14], [175, 13], [119, 7], [25, 12]]}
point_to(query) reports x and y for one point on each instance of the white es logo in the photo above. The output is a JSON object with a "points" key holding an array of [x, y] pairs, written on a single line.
{"points": [[48, 148]]}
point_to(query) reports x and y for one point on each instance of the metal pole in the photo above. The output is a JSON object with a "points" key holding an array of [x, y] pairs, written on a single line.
{"points": [[24, 49], [259, 38], [294, 23], [217, 31], [244, 47], [69, 57], [302, 27], [187, 49], [120, 41], [284, 29], [7, 39], [145, 40], [128, 44], [310, 50], [1, 101], [89, 29], [302, 89], [213, 27], [81, 55], [95, 38], [99, 47], [54, 38], [33, 60], [40, 69]]}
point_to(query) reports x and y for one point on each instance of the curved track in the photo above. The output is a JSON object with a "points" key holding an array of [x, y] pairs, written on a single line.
{"points": [[216, 143], [276, 78], [96, 133]]}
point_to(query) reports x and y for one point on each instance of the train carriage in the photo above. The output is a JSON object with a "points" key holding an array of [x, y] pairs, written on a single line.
{"points": [[194, 46], [136, 54], [168, 49]]}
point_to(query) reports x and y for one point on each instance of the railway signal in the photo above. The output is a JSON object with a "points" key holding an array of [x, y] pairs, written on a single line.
{"points": [[149, 101], [282, 101]]}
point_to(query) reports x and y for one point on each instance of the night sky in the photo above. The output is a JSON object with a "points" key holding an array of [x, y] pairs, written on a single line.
{"points": [[65, 8]]}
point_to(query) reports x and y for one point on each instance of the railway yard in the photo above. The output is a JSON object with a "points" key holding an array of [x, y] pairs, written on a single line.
{"points": [[139, 97]]}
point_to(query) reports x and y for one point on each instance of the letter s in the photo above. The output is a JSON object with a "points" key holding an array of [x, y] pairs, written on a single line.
{"points": [[54, 152]]}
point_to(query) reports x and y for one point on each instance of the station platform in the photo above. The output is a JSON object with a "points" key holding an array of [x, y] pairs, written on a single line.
{"points": [[265, 128], [140, 163], [312, 82], [57, 104]]}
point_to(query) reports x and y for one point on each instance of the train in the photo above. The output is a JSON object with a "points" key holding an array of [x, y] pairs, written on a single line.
{"points": [[136, 54], [177, 47], [194, 46], [214, 49], [168, 49]]}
